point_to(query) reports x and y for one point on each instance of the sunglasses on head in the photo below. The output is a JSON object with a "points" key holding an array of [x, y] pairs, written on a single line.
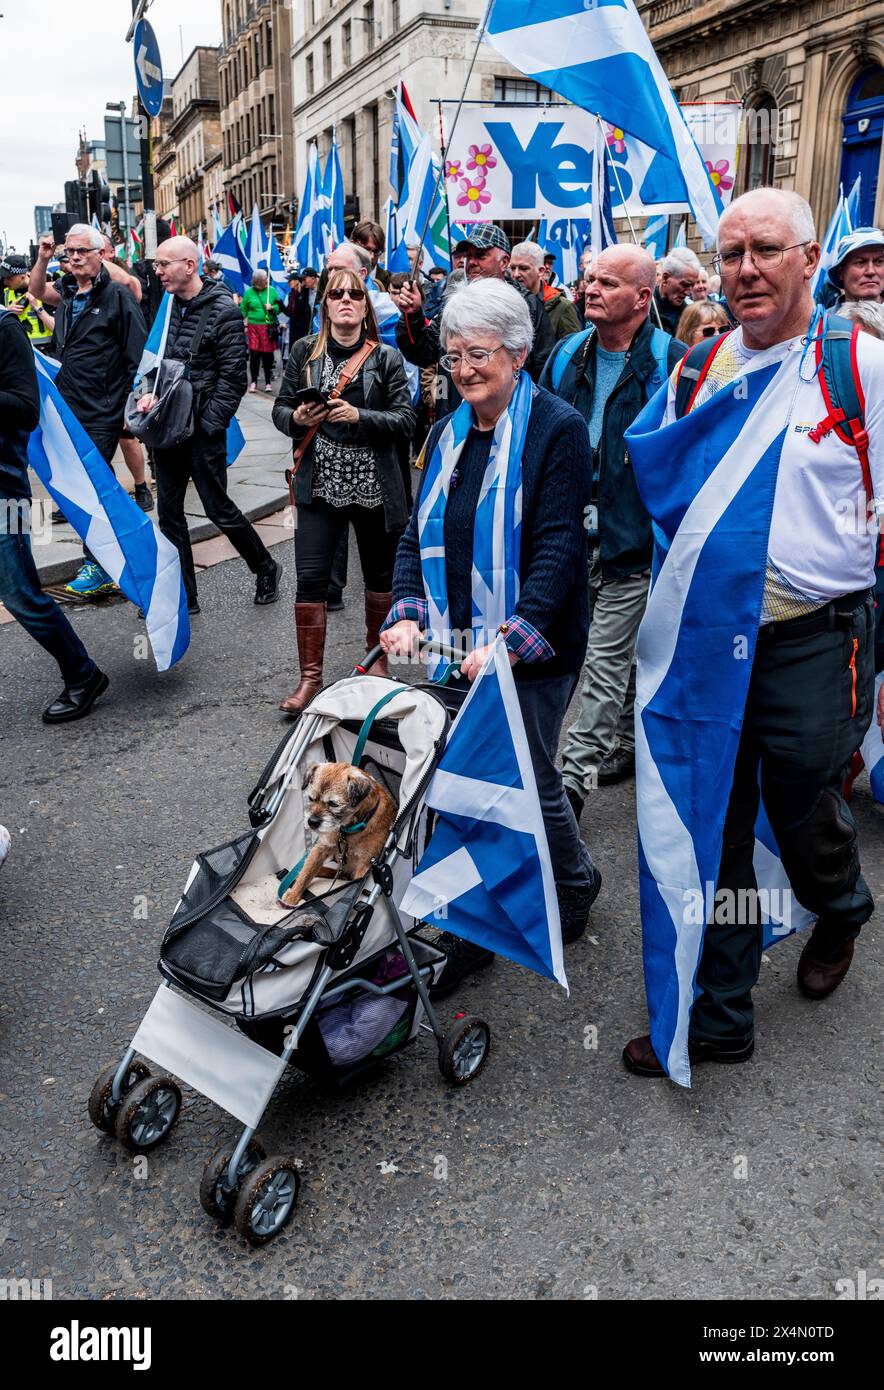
{"points": [[351, 294]]}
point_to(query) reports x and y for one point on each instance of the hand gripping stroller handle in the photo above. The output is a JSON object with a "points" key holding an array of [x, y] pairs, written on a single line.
{"points": [[424, 645]]}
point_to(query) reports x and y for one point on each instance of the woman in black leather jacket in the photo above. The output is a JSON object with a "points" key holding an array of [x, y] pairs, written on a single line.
{"points": [[349, 471]]}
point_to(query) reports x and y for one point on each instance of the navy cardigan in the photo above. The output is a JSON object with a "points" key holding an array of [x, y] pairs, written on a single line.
{"points": [[553, 597]]}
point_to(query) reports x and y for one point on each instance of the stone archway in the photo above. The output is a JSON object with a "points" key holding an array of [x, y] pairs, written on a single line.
{"points": [[841, 68]]}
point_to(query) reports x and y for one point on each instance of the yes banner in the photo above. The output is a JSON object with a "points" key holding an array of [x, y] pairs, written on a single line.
{"points": [[534, 162]]}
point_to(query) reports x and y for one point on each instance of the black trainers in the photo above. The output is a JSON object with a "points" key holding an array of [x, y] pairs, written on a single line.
{"points": [[574, 905], [267, 585], [576, 801], [144, 497], [463, 959]]}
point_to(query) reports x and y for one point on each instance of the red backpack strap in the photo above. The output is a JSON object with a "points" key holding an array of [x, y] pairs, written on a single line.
{"points": [[837, 363], [692, 371]]}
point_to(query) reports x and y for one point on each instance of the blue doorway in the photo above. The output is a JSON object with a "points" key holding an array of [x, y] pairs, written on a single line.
{"points": [[863, 123]]}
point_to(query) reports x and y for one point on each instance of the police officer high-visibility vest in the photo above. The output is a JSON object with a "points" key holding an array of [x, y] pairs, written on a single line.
{"points": [[36, 330]]}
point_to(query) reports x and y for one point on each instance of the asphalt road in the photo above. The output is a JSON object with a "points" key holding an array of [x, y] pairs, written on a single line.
{"points": [[566, 1177]]}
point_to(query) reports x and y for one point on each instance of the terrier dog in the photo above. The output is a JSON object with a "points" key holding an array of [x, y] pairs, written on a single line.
{"points": [[352, 813]]}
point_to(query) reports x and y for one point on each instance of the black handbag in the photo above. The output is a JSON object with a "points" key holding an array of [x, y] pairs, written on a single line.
{"points": [[169, 421]]}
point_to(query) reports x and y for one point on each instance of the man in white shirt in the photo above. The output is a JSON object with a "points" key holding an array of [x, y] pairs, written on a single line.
{"points": [[811, 691]]}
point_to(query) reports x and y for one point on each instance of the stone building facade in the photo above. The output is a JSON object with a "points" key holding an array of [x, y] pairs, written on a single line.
{"points": [[195, 129], [810, 74], [348, 56], [256, 103], [165, 163]]}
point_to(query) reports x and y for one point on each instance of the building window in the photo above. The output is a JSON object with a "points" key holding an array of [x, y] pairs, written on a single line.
{"points": [[396, 17], [257, 53], [368, 15], [762, 119], [326, 60], [268, 42], [271, 114], [347, 43], [259, 122], [308, 74], [521, 89]]}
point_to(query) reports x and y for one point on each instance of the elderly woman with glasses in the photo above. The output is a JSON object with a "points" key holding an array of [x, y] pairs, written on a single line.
{"points": [[346, 403], [514, 451]]}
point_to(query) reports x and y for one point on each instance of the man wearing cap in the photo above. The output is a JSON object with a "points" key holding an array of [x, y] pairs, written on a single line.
{"points": [[858, 269], [36, 320], [488, 257]]}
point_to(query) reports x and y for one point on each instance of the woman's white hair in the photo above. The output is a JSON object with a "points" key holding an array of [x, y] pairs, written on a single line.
{"points": [[96, 238], [488, 306], [260, 275], [868, 313]]}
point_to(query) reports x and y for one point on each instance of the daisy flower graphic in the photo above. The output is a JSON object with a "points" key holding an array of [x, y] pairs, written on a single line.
{"points": [[453, 170], [481, 158], [615, 138], [473, 195], [718, 174]]}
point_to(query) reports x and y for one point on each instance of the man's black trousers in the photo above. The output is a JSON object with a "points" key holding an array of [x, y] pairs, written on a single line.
{"points": [[204, 460], [810, 702]]}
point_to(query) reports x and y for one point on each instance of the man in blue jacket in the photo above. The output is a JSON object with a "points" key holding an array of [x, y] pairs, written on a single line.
{"points": [[20, 587], [608, 378]]}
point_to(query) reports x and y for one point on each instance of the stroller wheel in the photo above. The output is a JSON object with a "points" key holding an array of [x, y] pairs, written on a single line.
{"points": [[101, 1112], [216, 1199], [267, 1199], [464, 1050], [148, 1113]]}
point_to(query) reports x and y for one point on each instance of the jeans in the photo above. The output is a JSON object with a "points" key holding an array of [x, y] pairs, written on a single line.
{"points": [[607, 700], [39, 614], [543, 704], [804, 719], [317, 535], [204, 460]]}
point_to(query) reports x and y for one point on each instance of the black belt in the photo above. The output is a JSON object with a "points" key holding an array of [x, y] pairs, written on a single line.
{"points": [[838, 613]]}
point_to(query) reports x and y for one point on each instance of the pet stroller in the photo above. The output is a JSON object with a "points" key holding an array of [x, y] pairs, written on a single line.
{"points": [[331, 985]]}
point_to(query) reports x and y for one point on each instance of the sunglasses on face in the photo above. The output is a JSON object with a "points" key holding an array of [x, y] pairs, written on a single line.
{"points": [[349, 294], [711, 330]]}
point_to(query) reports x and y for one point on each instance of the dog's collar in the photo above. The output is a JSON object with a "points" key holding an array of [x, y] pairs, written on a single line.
{"points": [[360, 825]]}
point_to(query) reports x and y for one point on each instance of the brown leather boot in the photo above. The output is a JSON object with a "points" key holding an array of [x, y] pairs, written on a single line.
{"points": [[310, 625], [377, 606]]}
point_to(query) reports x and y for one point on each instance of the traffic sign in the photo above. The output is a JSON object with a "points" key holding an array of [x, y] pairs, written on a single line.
{"points": [[148, 68]]}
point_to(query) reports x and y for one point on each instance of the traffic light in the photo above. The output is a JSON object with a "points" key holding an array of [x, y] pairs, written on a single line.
{"points": [[99, 198], [75, 200]]}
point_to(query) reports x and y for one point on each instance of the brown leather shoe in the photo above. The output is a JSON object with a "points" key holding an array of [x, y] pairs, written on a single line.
{"points": [[310, 621], [640, 1057], [822, 965], [377, 606]]}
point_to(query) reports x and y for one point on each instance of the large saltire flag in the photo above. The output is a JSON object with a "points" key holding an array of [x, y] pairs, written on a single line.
{"points": [[597, 54], [602, 233], [839, 226], [123, 539], [872, 751], [708, 482], [655, 236], [486, 874]]}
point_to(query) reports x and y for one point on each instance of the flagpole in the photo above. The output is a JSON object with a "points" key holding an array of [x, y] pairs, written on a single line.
{"points": [[628, 217], [442, 147], [463, 96]]}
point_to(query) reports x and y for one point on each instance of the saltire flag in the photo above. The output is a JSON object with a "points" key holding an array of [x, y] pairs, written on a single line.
{"points": [[681, 236], [602, 234], [656, 235], [217, 229], [201, 248], [123, 539], [708, 483], [275, 267], [153, 354], [96, 225], [233, 260], [598, 55], [257, 246], [395, 250], [309, 250], [486, 875], [423, 215], [839, 226], [406, 138], [853, 201], [333, 198]]}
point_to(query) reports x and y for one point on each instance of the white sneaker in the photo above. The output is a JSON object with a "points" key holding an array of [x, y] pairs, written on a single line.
{"points": [[5, 842], [253, 387]]}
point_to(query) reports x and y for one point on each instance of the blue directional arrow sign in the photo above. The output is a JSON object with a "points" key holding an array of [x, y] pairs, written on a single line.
{"points": [[148, 68]]}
